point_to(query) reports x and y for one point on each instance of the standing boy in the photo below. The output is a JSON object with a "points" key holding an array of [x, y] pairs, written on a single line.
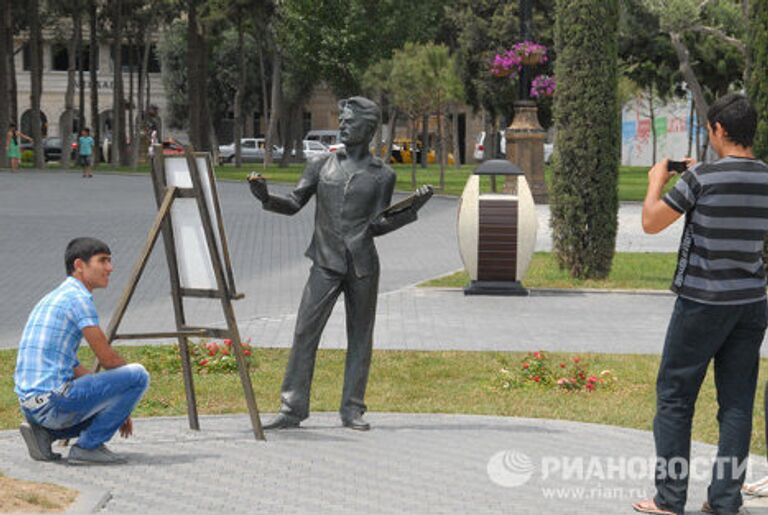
{"points": [[720, 312]]}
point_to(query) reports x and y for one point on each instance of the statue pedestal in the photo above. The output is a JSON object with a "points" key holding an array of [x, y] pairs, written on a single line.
{"points": [[525, 147]]}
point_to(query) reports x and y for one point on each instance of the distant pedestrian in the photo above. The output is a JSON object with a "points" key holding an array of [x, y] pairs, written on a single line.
{"points": [[85, 145], [12, 146], [153, 140]]}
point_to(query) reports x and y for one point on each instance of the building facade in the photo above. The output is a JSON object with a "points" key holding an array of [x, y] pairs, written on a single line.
{"points": [[55, 79]]}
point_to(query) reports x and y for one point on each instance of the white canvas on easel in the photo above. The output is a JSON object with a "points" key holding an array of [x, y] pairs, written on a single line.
{"points": [[195, 266]]}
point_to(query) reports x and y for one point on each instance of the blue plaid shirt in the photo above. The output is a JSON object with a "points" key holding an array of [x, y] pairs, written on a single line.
{"points": [[48, 349]]}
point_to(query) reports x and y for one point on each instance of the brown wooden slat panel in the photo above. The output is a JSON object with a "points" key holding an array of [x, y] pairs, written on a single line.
{"points": [[493, 245], [497, 242]]}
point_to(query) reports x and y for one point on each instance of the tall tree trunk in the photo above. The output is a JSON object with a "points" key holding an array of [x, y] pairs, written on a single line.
{"points": [[36, 79], [197, 64], [652, 115], [691, 128], [140, 128], [69, 98], [11, 64], [393, 113], [441, 147], [413, 152], [93, 64], [683, 56], [424, 140], [118, 106], [289, 151], [6, 60], [239, 94], [264, 91], [276, 108], [455, 134], [131, 106], [80, 74]]}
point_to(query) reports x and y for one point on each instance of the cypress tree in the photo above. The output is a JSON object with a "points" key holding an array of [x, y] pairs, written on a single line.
{"points": [[758, 77], [584, 196]]}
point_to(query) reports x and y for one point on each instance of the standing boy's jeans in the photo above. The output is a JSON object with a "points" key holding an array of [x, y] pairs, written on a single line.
{"points": [[93, 406], [731, 334]]}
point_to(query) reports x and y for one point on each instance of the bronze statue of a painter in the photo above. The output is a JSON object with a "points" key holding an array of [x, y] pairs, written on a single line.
{"points": [[353, 189]]}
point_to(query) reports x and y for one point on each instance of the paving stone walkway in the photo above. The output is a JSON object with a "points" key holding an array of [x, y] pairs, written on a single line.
{"points": [[406, 464]]}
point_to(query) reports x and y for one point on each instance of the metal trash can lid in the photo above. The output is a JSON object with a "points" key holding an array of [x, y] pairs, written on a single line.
{"points": [[498, 167]]}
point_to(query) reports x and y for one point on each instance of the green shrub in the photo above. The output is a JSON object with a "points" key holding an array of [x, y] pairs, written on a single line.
{"points": [[584, 195], [28, 156], [758, 83]]}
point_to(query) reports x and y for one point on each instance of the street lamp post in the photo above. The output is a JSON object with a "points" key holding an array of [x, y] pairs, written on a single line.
{"points": [[525, 136]]}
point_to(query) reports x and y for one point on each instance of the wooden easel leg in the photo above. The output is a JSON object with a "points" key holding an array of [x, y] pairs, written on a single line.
{"points": [[189, 384], [245, 380]]}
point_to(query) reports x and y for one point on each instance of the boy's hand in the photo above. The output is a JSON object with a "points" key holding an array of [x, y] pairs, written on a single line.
{"points": [[659, 175], [126, 429]]}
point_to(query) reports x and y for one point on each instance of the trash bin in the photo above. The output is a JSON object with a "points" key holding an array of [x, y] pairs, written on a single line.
{"points": [[497, 231]]}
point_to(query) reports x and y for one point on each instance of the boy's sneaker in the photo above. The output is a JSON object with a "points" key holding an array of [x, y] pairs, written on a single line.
{"points": [[38, 441], [99, 455]]}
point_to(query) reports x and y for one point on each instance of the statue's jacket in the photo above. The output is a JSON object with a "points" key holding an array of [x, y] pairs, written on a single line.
{"points": [[348, 212]]}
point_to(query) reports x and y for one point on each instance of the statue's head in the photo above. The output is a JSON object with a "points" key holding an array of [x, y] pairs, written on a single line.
{"points": [[358, 119]]}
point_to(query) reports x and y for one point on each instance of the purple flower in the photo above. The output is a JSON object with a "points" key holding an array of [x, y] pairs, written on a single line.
{"points": [[543, 86]]}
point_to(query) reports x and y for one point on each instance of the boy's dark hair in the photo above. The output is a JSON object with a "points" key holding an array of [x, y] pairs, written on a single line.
{"points": [[85, 249], [736, 115]]}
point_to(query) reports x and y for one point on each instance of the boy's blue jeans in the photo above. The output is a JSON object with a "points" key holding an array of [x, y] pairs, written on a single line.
{"points": [[729, 335], [93, 406]]}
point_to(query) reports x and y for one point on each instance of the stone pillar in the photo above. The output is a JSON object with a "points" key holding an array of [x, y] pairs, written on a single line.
{"points": [[525, 147]]}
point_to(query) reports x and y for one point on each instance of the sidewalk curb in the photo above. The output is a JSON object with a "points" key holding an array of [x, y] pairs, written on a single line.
{"points": [[544, 292], [90, 500]]}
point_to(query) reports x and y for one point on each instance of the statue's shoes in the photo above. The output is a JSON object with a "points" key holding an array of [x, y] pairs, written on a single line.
{"points": [[282, 421], [357, 423]]}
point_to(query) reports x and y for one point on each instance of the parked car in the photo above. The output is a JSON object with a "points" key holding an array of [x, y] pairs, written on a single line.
{"points": [[51, 148], [311, 148], [252, 150], [329, 138], [402, 153]]}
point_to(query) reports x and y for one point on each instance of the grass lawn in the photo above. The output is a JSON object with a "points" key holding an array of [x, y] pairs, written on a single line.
{"points": [[632, 179], [630, 271], [419, 382]]}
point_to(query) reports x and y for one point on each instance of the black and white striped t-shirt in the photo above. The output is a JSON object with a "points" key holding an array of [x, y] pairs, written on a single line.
{"points": [[726, 206]]}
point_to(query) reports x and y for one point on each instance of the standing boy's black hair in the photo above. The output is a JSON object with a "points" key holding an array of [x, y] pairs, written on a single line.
{"points": [[85, 249], [736, 115]]}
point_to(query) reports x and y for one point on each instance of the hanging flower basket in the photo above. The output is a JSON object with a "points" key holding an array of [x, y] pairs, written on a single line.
{"points": [[543, 86], [510, 63], [531, 53]]}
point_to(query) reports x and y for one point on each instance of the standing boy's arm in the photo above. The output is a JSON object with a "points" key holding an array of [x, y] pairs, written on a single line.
{"points": [[657, 215]]}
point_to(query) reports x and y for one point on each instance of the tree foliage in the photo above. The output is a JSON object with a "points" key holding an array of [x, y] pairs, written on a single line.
{"points": [[476, 31], [758, 83], [339, 40], [584, 188]]}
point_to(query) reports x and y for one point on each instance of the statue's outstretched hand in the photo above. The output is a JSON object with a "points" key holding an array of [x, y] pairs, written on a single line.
{"points": [[423, 194], [258, 186]]}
